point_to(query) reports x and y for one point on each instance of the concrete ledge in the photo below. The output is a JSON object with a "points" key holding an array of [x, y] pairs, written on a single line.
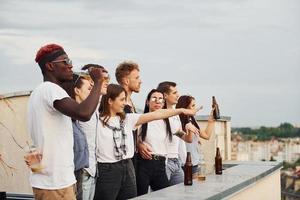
{"points": [[235, 179], [205, 118], [15, 94]]}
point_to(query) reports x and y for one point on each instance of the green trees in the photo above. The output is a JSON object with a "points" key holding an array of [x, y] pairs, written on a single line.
{"points": [[284, 130], [287, 165]]}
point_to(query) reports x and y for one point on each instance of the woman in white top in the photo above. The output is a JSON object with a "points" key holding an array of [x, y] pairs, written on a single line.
{"points": [[175, 147], [152, 170], [90, 130], [85, 134], [115, 146], [79, 89], [187, 101]]}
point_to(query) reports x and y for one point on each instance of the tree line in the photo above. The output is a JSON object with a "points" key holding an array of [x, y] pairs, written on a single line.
{"points": [[284, 130]]}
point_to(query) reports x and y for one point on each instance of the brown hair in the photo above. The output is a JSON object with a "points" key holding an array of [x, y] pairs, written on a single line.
{"points": [[113, 91], [87, 66], [183, 102], [124, 69], [165, 86]]}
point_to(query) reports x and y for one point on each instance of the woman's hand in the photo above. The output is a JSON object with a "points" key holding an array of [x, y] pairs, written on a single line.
{"points": [[144, 150], [189, 127], [97, 74], [211, 115]]}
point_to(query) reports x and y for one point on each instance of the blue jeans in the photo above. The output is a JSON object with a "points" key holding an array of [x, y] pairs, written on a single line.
{"points": [[174, 171], [88, 186]]}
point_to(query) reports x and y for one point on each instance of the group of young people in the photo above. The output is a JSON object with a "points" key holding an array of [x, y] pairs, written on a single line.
{"points": [[93, 143]]}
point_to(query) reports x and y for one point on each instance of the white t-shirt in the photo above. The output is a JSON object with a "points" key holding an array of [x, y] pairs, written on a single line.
{"points": [[89, 128], [105, 142], [176, 148], [157, 137], [52, 133]]}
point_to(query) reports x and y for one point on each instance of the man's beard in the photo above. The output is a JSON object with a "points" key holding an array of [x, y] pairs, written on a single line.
{"points": [[135, 90]]}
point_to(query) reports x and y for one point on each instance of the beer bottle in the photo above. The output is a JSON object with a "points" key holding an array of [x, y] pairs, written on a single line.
{"points": [[188, 173], [215, 106], [218, 162]]}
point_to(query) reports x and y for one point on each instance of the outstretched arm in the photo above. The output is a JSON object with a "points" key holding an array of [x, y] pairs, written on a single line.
{"points": [[162, 114]]}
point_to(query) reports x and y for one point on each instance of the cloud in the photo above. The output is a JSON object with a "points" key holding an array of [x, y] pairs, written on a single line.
{"points": [[247, 53], [21, 48]]}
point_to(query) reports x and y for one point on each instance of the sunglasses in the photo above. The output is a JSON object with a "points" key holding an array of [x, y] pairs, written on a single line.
{"points": [[78, 75], [66, 61], [157, 100]]}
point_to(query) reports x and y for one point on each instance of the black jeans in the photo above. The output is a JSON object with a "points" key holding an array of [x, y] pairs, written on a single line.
{"points": [[116, 181], [151, 173]]}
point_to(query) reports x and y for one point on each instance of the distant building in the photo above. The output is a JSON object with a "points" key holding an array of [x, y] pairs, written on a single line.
{"points": [[280, 150]]}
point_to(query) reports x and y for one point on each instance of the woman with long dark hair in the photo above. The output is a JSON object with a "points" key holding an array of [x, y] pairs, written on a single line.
{"points": [[152, 171], [189, 102], [115, 146]]}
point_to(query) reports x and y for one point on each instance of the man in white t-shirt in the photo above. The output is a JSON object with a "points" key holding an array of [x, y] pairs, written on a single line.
{"points": [[50, 126], [176, 148], [128, 76]]}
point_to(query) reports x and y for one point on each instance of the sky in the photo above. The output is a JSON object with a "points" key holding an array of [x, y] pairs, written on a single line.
{"points": [[244, 52]]}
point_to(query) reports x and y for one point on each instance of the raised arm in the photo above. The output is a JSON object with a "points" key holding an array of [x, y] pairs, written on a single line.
{"points": [[208, 131], [84, 110], [209, 128]]}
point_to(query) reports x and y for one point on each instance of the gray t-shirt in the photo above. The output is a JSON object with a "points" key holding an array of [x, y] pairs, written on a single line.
{"points": [[194, 148]]}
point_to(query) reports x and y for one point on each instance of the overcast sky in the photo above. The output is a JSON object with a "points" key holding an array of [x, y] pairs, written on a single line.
{"points": [[245, 52]]}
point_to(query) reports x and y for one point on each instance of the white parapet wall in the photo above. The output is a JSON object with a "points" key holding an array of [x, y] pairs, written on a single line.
{"points": [[14, 138], [221, 137], [13, 142], [266, 188], [239, 181]]}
